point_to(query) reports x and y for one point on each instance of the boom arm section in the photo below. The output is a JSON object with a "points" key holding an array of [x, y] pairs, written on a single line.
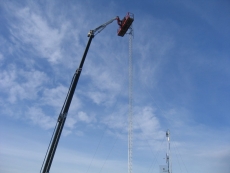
{"points": [[100, 28], [124, 26]]}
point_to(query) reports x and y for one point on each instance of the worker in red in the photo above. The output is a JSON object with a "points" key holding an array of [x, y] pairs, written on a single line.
{"points": [[120, 22]]}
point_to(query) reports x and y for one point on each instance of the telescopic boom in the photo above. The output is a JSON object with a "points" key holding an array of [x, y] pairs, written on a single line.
{"points": [[65, 108], [64, 111]]}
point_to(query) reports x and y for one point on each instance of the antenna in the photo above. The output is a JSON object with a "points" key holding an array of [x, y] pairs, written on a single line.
{"points": [[168, 159], [130, 117]]}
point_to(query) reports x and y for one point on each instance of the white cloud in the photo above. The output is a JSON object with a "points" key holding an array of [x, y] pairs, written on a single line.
{"points": [[97, 97], [33, 29], [66, 132], [102, 77], [43, 33], [38, 117], [149, 125], [106, 84], [7, 79], [146, 125], [71, 122], [118, 119], [177, 117], [148, 132], [55, 96], [84, 117], [150, 54], [80, 117], [21, 84]]}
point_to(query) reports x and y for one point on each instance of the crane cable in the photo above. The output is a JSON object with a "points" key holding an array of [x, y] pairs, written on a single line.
{"points": [[130, 116]]}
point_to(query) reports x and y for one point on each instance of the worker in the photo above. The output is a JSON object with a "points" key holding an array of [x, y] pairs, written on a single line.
{"points": [[120, 22]]}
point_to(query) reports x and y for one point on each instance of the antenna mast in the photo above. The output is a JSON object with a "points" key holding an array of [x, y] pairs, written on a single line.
{"points": [[130, 119], [168, 159]]}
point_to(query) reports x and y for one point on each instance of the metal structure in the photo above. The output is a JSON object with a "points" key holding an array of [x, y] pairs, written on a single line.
{"points": [[168, 159], [65, 108], [125, 24], [130, 118]]}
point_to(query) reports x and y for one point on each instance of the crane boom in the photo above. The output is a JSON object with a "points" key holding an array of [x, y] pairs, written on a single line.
{"points": [[101, 27], [63, 114], [65, 108]]}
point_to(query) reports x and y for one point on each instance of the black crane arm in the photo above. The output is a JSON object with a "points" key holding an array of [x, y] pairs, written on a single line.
{"points": [[124, 26], [65, 108]]}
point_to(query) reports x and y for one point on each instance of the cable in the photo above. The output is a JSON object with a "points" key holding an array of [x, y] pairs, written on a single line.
{"points": [[155, 159], [104, 131], [108, 155], [181, 159], [96, 151]]}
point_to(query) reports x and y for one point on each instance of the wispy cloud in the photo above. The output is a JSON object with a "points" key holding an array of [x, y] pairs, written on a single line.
{"points": [[33, 30], [80, 117], [97, 97], [148, 125], [54, 96], [19, 84], [38, 117]]}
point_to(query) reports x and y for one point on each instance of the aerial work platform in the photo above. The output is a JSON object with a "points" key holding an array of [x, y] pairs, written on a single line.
{"points": [[124, 24]]}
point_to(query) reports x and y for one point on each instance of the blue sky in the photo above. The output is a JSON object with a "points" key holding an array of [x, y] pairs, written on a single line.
{"points": [[181, 82]]}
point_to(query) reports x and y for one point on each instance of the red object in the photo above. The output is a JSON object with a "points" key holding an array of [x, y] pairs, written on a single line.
{"points": [[124, 24]]}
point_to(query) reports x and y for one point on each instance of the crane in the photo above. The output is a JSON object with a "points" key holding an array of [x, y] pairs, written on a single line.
{"points": [[123, 27]]}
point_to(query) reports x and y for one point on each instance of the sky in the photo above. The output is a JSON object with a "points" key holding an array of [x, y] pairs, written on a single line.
{"points": [[180, 81]]}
